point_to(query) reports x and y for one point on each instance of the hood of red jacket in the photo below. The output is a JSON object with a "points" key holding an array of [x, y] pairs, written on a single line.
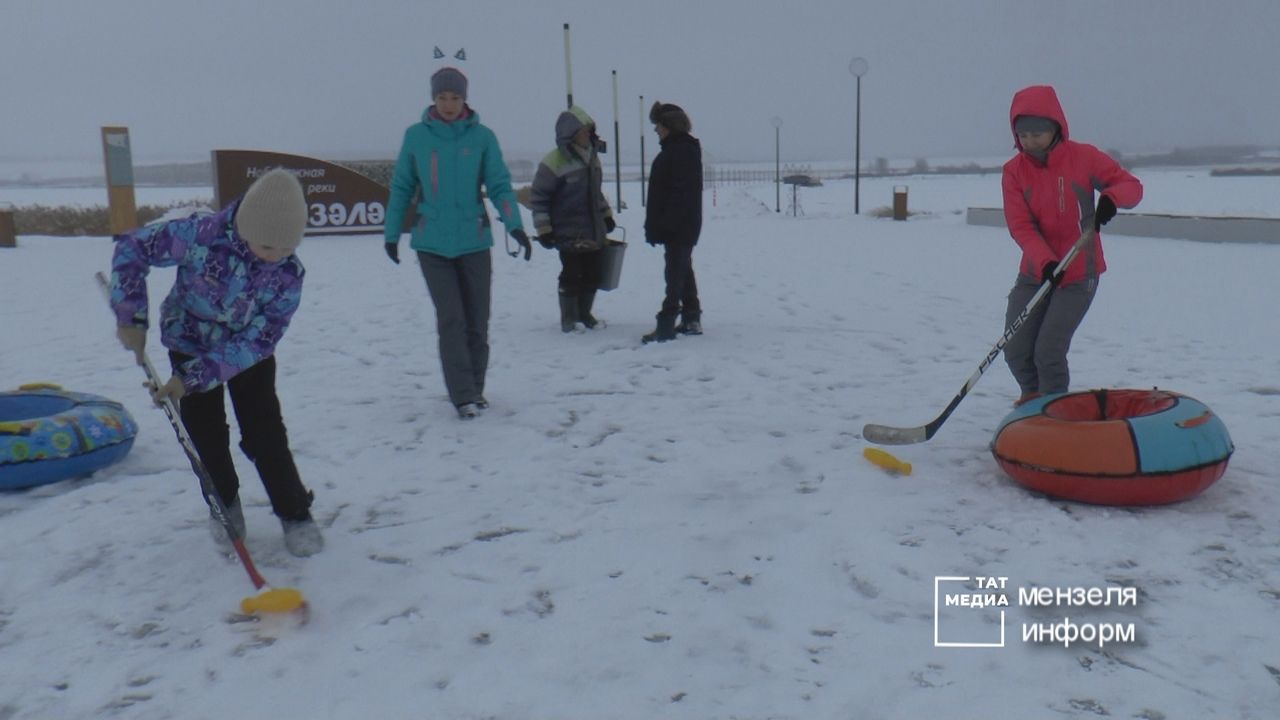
{"points": [[1039, 100]]}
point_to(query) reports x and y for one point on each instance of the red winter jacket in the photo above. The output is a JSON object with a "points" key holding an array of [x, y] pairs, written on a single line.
{"points": [[1047, 205]]}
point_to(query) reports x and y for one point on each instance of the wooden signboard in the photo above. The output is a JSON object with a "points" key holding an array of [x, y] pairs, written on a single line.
{"points": [[340, 201], [117, 157]]}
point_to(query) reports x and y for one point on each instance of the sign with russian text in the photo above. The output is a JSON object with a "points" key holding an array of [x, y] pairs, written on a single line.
{"points": [[340, 200]]}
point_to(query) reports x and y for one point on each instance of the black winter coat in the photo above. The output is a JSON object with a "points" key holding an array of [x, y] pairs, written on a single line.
{"points": [[673, 213]]}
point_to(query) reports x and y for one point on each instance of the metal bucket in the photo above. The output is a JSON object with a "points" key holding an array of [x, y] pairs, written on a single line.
{"points": [[611, 263]]}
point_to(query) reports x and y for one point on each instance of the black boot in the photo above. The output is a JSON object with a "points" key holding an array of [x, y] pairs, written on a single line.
{"points": [[585, 301], [568, 312], [690, 325], [665, 331]]}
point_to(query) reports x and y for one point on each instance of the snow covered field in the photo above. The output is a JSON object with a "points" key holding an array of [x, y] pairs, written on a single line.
{"points": [[685, 530]]}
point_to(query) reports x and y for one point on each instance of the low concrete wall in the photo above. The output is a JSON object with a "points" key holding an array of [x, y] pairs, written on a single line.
{"points": [[1180, 227]]}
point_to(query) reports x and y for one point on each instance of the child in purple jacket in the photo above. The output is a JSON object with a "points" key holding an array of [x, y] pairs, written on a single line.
{"points": [[238, 284]]}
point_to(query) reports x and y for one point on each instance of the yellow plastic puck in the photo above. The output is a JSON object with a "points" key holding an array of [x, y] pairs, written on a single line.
{"points": [[273, 601], [887, 461]]}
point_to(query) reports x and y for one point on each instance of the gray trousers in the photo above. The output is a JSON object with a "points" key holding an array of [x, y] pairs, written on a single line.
{"points": [[1037, 354], [459, 288]]}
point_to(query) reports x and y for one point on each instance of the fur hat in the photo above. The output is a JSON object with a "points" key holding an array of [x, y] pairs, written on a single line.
{"points": [[672, 117], [273, 211], [448, 79]]}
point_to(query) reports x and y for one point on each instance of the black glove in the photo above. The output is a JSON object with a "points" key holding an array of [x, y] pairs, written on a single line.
{"points": [[523, 239], [393, 251], [547, 241], [1106, 210], [1047, 273], [609, 225]]}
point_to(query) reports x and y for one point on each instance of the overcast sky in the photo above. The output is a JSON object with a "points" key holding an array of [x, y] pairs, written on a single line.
{"points": [[342, 80]]}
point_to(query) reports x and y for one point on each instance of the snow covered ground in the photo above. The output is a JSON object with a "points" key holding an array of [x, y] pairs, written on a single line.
{"points": [[685, 530]]}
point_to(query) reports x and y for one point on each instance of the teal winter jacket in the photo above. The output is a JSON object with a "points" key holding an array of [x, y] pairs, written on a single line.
{"points": [[442, 166]]}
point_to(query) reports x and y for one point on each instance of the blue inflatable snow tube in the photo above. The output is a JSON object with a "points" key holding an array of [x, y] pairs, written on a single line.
{"points": [[49, 434]]}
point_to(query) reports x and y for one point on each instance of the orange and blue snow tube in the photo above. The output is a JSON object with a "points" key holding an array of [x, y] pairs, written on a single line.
{"points": [[1114, 446]]}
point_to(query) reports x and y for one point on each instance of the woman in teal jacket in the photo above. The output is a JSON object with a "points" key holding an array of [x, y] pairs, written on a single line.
{"points": [[444, 161]]}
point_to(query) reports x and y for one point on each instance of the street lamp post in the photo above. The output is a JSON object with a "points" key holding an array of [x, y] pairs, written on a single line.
{"points": [[857, 68], [777, 162], [642, 180], [617, 145]]}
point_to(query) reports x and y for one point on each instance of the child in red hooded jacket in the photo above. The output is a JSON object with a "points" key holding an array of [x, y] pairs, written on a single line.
{"points": [[1048, 202]]}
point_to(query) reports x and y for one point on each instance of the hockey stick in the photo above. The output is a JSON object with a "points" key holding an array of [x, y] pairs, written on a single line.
{"points": [[269, 599], [887, 435]]}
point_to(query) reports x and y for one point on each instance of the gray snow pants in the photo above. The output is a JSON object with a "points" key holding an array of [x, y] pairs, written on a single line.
{"points": [[1037, 354], [459, 288]]}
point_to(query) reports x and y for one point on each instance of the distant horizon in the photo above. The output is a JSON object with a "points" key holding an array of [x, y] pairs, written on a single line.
{"points": [[651, 147], [159, 160]]}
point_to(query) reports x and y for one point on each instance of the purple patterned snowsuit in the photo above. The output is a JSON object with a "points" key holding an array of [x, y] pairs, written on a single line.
{"points": [[221, 322]]}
